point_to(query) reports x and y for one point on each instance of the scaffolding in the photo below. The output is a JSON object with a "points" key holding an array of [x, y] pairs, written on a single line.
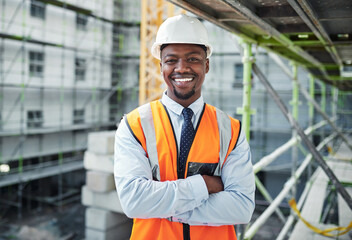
{"points": [[62, 65], [295, 31]]}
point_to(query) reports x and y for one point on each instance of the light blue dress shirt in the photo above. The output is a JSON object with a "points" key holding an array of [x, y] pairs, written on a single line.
{"points": [[184, 200]]}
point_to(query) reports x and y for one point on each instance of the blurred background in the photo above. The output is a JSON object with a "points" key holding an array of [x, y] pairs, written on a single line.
{"points": [[70, 70]]}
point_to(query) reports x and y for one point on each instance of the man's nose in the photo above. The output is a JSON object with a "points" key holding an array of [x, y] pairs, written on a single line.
{"points": [[182, 66]]}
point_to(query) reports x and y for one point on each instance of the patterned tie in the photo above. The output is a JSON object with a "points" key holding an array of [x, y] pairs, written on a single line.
{"points": [[187, 135]]}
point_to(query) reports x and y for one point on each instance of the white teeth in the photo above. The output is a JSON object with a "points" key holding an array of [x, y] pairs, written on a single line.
{"points": [[183, 79]]}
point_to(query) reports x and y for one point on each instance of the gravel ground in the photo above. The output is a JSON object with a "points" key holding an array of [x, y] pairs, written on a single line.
{"points": [[68, 224]]}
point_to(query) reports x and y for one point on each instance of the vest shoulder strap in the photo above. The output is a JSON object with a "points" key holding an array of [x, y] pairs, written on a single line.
{"points": [[141, 125], [147, 123], [229, 130]]}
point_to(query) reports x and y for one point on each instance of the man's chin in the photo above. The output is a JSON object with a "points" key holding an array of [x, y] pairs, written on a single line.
{"points": [[184, 96]]}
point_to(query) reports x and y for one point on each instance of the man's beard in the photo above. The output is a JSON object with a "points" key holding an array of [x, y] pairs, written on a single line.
{"points": [[185, 96]]}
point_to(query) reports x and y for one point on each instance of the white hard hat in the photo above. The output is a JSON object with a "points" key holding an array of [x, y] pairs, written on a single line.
{"points": [[181, 29]]}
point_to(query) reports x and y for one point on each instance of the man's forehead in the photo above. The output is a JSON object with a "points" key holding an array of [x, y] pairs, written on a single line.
{"points": [[174, 48]]}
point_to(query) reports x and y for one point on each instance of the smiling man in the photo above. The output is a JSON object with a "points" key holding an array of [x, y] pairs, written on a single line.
{"points": [[184, 67], [182, 167]]}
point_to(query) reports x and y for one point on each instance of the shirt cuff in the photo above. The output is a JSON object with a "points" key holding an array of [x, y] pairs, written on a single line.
{"points": [[199, 188]]}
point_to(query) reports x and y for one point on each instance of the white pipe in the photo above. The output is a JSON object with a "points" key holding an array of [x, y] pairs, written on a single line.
{"points": [[291, 218], [266, 160], [288, 185]]}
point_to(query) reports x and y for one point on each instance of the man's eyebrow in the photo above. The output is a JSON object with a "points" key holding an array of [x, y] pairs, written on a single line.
{"points": [[187, 54], [195, 52], [170, 55]]}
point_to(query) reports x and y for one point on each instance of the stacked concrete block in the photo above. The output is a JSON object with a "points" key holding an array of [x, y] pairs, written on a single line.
{"points": [[101, 142], [100, 181], [98, 162], [105, 219], [104, 224]]}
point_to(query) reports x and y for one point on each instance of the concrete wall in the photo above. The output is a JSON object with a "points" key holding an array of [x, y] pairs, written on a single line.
{"points": [[57, 93]]}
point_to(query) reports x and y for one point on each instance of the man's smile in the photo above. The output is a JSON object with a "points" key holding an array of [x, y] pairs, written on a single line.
{"points": [[183, 79], [183, 82]]}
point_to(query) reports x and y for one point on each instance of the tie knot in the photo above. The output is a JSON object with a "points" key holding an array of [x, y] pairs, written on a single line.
{"points": [[187, 113]]}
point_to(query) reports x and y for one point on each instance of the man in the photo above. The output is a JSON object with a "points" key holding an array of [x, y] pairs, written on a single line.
{"points": [[182, 168]]}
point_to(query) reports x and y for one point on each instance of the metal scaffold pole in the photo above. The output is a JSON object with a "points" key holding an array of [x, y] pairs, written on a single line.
{"points": [[312, 95], [311, 113], [295, 91], [323, 105], [323, 97], [246, 110], [246, 102], [335, 96], [316, 155], [295, 104]]}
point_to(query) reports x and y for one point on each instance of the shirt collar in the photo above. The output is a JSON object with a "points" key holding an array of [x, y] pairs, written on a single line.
{"points": [[177, 108]]}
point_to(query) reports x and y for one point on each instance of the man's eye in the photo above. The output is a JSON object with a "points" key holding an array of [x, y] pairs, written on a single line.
{"points": [[193, 59], [170, 61]]}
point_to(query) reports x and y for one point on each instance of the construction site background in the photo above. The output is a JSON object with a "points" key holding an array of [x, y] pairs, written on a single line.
{"points": [[71, 68]]}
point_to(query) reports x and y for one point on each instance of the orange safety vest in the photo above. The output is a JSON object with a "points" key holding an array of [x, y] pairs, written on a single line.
{"points": [[216, 136]]}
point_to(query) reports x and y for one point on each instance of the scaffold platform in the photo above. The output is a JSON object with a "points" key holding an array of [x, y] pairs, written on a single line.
{"points": [[313, 209]]}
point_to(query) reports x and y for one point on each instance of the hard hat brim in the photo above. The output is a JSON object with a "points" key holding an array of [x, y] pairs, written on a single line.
{"points": [[155, 50]]}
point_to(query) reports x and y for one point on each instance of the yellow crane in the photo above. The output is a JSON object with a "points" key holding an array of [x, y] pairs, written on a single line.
{"points": [[150, 80]]}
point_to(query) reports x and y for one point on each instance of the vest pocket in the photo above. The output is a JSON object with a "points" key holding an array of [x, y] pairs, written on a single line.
{"points": [[201, 168]]}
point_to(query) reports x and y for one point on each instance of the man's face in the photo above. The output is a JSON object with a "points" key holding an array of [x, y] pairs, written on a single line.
{"points": [[183, 67]]}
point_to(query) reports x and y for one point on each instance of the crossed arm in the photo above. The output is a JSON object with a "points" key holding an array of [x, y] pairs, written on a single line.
{"points": [[214, 184], [196, 200]]}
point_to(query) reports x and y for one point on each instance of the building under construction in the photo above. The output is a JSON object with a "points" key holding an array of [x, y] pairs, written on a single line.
{"points": [[69, 70]]}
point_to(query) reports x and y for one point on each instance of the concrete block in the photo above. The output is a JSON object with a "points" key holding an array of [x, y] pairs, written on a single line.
{"points": [[121, 232], [98, 162], [108, 201], [98, 181], [103, 220], [101, 142]]}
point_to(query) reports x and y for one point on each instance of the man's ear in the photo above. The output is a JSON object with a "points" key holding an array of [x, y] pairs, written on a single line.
{"points": [[207, 65]]}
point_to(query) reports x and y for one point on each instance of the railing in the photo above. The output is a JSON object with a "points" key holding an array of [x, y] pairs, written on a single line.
{"points": [[266, 160], [288, 185], [298, 135]]}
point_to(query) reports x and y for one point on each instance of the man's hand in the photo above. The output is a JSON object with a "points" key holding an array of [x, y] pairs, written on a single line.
{"points": [[214, 184]]}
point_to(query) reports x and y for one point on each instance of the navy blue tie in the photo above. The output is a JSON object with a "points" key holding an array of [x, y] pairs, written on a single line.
{"points": [[187, 135]]}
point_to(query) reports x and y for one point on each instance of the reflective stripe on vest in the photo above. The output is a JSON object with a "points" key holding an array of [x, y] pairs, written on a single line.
{"points": [[224, 124], [146, 115]]}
